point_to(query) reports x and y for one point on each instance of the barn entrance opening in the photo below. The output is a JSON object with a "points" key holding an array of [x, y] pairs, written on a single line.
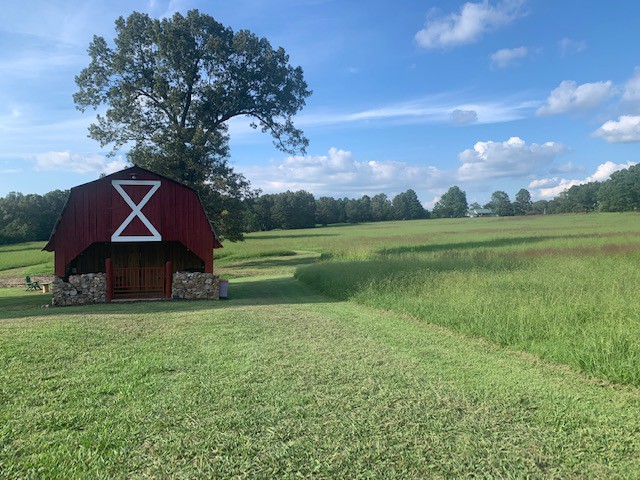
{"points": [[138, 270]]}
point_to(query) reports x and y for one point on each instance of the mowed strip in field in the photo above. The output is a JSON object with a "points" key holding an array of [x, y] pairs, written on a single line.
{"points": [[281, 381]]}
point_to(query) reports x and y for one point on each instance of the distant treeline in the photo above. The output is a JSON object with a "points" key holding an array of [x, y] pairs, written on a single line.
{"points": [[26, 218], [31, 217], [301, 210], [621, 193]]}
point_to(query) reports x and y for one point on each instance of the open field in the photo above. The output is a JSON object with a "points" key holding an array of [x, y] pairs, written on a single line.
{"points": [[355, 378]]}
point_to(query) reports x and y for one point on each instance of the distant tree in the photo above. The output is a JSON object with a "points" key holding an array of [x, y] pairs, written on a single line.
{"points": [[406, 206], [539, 207], [380, 208], [501, 204], [583, 198], [342, 215], [475, 206], [364, 204], [352, 210], [327, 210], [452, 204], [262, 208], [622, 191], [522, 204], [294, 210], [358, 210], [171, 85]]}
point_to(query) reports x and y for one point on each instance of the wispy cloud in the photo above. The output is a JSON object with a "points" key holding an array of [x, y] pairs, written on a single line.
{"points": [[436, 109], [567, 46], [632, 87], [78, 163], [35, 63], [507, 56]]}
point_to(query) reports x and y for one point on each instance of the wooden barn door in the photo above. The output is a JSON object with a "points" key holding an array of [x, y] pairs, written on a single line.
{"points": [[138, 271]]}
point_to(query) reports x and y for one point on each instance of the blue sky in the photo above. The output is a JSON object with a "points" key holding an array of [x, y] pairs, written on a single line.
{"points": [[487, 95]]}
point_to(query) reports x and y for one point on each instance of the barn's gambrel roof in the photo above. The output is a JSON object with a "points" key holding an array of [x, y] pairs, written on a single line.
{"points": [[103, 211]]}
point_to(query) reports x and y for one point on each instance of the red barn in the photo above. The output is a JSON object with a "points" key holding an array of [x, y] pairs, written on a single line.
{"points": [[136, 226]]}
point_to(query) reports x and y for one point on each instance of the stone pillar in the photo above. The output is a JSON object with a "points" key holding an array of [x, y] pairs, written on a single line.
{"points": [[79, 290], [195, 286]]}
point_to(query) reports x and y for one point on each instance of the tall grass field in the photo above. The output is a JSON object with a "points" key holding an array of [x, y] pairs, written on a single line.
{"points": [[564, 288], [457, 348]]}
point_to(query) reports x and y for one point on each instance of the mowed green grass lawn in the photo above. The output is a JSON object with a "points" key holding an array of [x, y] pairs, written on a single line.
{"points": [[283, 380]]}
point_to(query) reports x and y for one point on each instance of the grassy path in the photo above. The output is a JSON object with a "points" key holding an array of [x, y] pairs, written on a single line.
{"points": [[282, 382]]}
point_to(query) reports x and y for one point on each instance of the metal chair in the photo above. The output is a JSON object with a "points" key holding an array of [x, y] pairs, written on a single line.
{"points": [[31, 285]]}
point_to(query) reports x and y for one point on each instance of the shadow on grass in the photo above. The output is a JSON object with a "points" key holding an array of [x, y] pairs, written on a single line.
{"points": [[21, 248], [273, 291], [294, 235], [493, 243], [268, 263]]}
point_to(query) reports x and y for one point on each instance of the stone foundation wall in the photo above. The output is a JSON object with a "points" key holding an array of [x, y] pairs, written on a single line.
{"points": [[79, 290], [195, 286]]}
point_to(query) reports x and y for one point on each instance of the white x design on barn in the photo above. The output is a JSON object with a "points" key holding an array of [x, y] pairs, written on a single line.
{"points": [[136, 211]]}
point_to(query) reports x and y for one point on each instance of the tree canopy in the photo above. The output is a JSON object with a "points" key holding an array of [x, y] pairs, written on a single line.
{"points": [[171, 85]]}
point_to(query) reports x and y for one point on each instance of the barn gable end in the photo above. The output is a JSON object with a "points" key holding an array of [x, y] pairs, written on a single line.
{"points": [[133, 219]]}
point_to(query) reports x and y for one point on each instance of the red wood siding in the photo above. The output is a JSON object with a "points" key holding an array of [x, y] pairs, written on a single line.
{"points": [[95, 210]]}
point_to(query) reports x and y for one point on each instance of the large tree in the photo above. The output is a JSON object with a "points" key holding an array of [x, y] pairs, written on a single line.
{"points": [[171, 85]]}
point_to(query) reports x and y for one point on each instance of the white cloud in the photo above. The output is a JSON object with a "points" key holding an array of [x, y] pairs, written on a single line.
{"points": [[604, 171], [506, 56], [570, 97], [512, 158], [551, 192], [543, 182], [339, 173], [464, 117], [552, 187], [568, 46], [632, 87], [625, 130], [474, 20], [77, 163]]}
